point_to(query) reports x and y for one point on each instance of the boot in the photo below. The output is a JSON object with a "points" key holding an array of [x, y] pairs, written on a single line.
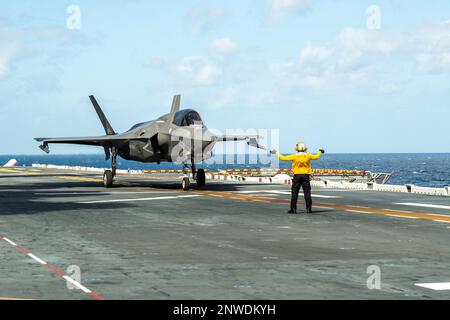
{"points": [[292, 211]]}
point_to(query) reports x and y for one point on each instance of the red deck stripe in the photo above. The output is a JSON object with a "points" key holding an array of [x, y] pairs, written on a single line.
{"points": [[54, 270]]}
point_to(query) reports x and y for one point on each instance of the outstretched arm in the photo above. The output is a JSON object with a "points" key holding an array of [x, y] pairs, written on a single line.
{"points": [[284, 158], [317, 155]]}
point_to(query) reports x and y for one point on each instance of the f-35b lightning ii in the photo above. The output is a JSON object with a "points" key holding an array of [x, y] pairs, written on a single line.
{"points": [[179, 136]]}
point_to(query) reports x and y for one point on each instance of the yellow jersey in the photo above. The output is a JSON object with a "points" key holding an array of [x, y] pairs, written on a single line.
{"points": [[301, 162]]}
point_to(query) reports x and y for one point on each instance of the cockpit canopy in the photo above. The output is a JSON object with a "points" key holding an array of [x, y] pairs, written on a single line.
{"points": [[188, 117]]}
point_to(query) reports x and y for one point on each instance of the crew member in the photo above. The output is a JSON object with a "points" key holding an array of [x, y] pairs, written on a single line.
{"points": [[301, 168]]}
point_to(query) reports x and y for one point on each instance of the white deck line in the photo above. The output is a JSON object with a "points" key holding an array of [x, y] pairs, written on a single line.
{"points": [[32, 256], [77, 284], [397, 216], [286, 192], [100, 193], [438, 286], [358, 211], [423, 205], [140, 199]]}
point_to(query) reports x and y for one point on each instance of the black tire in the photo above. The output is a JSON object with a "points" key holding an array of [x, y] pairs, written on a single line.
{"points": [[185, 184], [108, 179], [201, 178]]}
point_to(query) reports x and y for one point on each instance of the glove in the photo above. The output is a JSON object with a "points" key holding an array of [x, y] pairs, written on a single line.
{"points": [[273, 151], [321, 150]]}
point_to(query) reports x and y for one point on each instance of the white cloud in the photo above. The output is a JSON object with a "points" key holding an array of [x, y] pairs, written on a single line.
{"points": [[224, 46], [226, 97], [280, 8], [199, 70], [32, 42], [365, 57], [203, 18], [433, 62], [314, 54], [282, 68], [7, 54], [388, 88]]}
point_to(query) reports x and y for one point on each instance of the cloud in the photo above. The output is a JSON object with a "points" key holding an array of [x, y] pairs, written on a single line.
{"points": [[224, 46], [7, 54], [433, 62], [31, 43], [281, 8], [202, 18], [358, 57], [314, 54], [199, 70]]}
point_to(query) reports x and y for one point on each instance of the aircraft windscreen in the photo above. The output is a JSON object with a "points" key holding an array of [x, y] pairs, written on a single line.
{"points": [[186, 118], [193, 118]]}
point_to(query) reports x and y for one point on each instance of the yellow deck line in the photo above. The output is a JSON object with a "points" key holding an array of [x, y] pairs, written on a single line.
{"points": [[80, 179], [348, 208], [18, 171], [244, 197]]}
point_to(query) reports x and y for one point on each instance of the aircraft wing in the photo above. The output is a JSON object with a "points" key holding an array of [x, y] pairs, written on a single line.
{"points": [[103, 141], [252, 140]]}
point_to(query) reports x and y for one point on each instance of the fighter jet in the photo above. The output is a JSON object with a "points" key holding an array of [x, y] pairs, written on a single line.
{"points": [[179, 137]]}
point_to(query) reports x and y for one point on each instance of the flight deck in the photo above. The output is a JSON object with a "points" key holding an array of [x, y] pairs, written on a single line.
{"points": [[63, 236]]}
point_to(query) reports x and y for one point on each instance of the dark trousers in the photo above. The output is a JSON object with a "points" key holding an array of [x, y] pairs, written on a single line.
{"points": [[301, 181]]}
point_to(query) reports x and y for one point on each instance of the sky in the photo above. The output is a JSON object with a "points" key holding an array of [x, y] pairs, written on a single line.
{"points": [[349, 76]]}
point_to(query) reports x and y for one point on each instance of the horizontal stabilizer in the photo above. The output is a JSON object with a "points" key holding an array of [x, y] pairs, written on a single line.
{"points": [[252, 140], [44, 147], [104, 141], [254, 143]]}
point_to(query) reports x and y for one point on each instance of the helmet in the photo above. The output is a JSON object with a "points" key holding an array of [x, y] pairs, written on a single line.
{"points": [[301, 147]]}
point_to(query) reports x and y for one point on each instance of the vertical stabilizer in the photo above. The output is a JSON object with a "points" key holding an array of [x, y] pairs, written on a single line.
{"points": [[176, 104], [108, 128], [175, 107]]}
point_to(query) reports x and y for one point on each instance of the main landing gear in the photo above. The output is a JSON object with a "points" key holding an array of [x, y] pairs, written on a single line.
{"points": [[109, 175], [197, 175]]}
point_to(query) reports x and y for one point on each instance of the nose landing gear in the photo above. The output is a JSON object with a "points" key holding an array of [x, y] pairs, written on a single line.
{"points": [[198, 175], [185, 183]]}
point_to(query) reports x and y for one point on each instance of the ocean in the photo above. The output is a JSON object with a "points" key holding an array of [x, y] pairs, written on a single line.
{"points": [[427, 170]]}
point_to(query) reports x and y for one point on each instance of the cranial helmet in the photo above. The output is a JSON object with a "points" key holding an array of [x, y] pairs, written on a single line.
{"points": [[301, 147]]}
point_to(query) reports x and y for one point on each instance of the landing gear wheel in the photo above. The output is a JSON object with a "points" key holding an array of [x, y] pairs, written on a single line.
{"points": [[201, 178], [108, 179], [185, 184]]}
